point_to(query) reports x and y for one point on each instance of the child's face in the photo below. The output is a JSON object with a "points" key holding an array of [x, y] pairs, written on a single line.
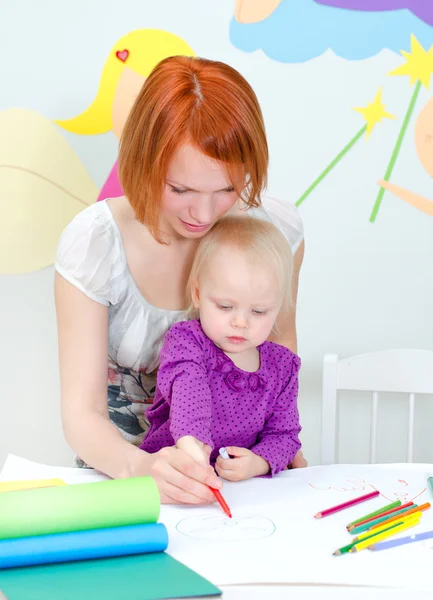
{"points": [[238, 300]]}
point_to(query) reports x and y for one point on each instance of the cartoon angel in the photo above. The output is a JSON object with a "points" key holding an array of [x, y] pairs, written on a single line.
{"points": [[43, 183], [254, 11], [424, 148], [130, 61]]}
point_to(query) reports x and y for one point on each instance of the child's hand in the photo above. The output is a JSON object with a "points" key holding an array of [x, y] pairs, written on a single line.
{"points": [[195, 449], [244, 465]]}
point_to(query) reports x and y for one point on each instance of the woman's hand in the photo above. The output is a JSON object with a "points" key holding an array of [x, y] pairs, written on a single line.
{"points": [[244, 465], [180, 479], [196, 449]]}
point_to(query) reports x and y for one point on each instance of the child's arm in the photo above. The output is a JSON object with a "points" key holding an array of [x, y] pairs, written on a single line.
{"points": [[278, 442], [183, 381]]}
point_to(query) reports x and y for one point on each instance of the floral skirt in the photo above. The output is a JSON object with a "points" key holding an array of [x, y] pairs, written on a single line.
{"points": [[130, 393]]}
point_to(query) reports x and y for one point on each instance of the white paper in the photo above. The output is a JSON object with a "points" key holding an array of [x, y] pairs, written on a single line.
{"points": [[300, 548], [22, 469], [275, 538]]}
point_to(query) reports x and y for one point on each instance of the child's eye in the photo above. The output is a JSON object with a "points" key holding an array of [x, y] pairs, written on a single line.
{"points": [[230, 190], [224, 306], [177, 190], [259, 313]]}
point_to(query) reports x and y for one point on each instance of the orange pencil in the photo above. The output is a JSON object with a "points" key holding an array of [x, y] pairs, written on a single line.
{"points": [[402, 515]]}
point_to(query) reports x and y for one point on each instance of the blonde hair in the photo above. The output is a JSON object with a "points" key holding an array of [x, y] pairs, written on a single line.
{"points": [[143, 49], [260, 240]]}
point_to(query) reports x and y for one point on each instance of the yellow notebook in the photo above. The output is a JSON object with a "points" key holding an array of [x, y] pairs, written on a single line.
{"points": [[13, 486]]}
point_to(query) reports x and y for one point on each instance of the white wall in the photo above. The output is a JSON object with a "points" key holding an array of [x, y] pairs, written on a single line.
{"points": [[363, 286]]}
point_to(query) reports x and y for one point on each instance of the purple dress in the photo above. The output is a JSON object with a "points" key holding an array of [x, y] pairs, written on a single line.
{"points": [[201, 392]]}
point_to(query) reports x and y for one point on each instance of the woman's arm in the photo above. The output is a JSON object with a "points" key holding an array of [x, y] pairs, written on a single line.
{"points": [[287, 330], [287, 323], [83, 355]]}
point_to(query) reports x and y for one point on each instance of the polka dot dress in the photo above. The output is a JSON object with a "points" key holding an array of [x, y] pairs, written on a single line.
{"points": [[201, 392]]}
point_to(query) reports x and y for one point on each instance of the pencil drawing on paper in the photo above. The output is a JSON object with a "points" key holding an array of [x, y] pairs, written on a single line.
{"points": [[221, 528], [398, 489]]}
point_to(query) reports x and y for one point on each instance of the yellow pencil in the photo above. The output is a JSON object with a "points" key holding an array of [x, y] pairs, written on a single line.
{"points": [[410, 522], [388, 526]]}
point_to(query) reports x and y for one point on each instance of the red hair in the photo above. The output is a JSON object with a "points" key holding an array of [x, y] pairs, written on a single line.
{"points": [[198, 101]]}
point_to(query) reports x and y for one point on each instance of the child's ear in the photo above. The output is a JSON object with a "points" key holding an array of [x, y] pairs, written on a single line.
{"points": [[195, 296]]}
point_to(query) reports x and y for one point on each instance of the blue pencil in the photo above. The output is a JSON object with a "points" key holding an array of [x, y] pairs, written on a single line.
{"points": [[418, 537]]}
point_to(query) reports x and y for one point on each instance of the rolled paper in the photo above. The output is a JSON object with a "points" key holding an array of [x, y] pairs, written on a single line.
{"points": [[83, 545], [112, 503]]}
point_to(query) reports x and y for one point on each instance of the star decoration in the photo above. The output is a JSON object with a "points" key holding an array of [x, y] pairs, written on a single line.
{"points": [[418, 65], [374, 112]]}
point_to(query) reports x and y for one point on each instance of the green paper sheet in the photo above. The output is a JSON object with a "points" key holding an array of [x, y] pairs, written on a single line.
{"points": [[143, 577], [111, 503]]}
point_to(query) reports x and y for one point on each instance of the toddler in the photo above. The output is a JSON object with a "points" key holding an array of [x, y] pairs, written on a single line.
{"points": [[220, 382]]}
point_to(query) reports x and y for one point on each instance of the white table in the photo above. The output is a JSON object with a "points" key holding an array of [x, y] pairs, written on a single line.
{"points": [[322, 592], [308, 592]]}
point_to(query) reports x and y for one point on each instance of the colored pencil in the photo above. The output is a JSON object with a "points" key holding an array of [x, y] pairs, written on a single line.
{"points": [[381, 511], [384, 515], [430, 481], [221, 501], [334, 509], [385, 534], [404, 512], [372, 532], [347, 548], [417, 537]]}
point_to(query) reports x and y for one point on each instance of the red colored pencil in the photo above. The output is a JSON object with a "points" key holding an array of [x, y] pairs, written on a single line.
{"points": [[378, 516], [221, 501], [334, 509]]}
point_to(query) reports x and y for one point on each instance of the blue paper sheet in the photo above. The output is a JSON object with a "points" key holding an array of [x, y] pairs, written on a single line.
{"points": [[83, 545]]}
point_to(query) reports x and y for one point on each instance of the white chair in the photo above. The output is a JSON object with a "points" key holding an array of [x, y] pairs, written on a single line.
{"points": [[401, 371]]}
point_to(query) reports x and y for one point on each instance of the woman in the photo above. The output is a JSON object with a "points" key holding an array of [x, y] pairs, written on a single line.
{"points": [[193, 149]]}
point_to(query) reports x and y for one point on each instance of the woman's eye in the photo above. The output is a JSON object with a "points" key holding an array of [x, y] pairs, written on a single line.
{"points": [[223, 306], [177, 190]]}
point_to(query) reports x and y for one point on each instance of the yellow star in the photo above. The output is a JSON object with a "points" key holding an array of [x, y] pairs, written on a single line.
{"points": [[419, 63], [374, 112]]}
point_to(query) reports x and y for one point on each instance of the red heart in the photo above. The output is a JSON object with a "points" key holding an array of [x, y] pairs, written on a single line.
{"points": [[122, 55]]}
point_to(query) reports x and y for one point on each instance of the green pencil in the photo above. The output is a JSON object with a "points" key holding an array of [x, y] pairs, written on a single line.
{"points": [[376, 512], [346, 549], [430, 480], [365, 526]]}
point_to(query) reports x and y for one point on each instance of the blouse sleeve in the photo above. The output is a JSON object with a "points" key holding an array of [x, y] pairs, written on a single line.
{"points": [[286, 217], [183, 381], [278, 442], [89, 256]]}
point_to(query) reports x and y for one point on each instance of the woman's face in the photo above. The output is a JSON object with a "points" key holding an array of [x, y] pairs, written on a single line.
{"points": [[196, 194]]}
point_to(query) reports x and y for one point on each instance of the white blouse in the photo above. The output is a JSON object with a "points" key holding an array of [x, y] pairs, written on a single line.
{"points": [[91, 256]]}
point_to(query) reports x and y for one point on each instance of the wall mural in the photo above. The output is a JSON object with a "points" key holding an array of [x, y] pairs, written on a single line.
{"points": [[295, 32], [129, 63], [43, 183], [40, 173]]}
